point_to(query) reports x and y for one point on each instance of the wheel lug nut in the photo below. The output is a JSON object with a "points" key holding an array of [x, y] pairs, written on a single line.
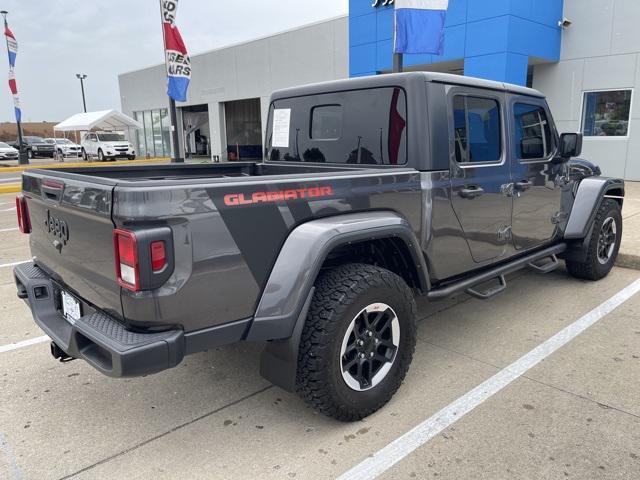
{"points": [[360, 342], [377, 341], [371, 354], [361, 355], [369, 333]]}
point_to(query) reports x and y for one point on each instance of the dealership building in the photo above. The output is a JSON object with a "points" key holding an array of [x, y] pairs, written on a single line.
{"points": [[584, 55]]}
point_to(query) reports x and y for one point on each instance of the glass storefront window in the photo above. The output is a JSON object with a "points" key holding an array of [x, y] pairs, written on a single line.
{"points": [[141, 148], [157, 133], [165, 121], [606, 113], [148, 132]]}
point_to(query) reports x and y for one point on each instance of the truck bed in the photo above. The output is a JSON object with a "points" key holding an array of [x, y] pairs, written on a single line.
{"points": [[228, 223], [194, 172]]}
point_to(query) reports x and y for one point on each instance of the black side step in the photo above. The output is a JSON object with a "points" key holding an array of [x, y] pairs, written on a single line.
{"points": [[498, 272], [546, 267]]}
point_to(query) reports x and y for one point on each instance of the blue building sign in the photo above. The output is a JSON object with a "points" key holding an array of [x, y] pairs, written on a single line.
{"points": [[492, 39]]}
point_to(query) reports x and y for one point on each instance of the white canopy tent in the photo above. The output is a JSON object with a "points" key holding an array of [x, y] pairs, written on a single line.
{"points": [[110, 120], [106, 120]]}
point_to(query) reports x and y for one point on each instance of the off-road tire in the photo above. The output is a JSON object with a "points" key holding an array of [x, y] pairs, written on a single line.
{"points": [[340, 294], [591, 268]]}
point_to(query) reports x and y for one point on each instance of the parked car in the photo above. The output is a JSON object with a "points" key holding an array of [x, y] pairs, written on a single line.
{"points": [[65, 148], [376, 196], [7, 152], [106, 146], [35, 146]]}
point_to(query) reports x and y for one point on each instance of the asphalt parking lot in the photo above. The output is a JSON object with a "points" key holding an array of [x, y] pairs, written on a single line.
{"points": [[575, 414]]}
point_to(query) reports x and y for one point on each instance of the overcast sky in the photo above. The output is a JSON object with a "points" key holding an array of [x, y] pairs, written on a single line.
{"points": [[59, 38]]}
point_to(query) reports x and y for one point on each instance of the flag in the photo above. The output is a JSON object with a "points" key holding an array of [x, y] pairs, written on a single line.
{"points": [[176, 57], [12, 48], [419, 26]]}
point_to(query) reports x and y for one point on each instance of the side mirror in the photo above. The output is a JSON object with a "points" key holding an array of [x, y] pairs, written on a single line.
{"points": [[570, 145]]}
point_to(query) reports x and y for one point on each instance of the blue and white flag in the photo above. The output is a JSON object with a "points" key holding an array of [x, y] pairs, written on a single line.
{"points": [[419, 26]]}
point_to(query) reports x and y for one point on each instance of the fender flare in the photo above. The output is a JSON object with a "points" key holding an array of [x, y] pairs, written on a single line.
{"points": [[588, 198], [283, 307]]}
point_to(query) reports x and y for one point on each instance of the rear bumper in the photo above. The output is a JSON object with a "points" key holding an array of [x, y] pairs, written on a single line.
{"points": [[97, 337]]}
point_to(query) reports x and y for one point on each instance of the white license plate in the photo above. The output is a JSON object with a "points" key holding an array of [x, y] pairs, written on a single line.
{"points": [[70, 307]]}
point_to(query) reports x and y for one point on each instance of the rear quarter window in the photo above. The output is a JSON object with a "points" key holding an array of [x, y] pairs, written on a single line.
{"points": [[358, 127]]}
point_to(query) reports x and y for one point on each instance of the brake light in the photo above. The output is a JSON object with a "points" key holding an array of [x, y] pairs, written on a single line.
{"points": [[126, 256], [24, 222], [158, 256]]}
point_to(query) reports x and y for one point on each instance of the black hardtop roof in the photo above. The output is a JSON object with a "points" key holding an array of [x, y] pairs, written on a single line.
{"points": [[402, 80]]}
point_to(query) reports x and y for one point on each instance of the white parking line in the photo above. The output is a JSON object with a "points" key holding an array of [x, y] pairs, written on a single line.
{"points": [[11, 179], [24, 343], [8, 229], [388, 456], [13, 209], [14, 264]]}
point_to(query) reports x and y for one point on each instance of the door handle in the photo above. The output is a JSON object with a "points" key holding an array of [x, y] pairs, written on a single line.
{"points": [[471, 191], [523, 185]]}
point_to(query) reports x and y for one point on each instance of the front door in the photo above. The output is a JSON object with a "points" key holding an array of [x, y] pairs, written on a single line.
{"points": [[479, 171], [538, 179]]}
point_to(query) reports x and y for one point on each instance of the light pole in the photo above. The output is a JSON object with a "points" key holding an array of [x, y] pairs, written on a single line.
{"points": [[81, 77]]}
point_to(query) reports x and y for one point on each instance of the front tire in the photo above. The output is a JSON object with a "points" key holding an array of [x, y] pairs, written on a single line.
{"points": [[604, 243], [30, 154], [100, 155], [358, 341], [85, 157]]}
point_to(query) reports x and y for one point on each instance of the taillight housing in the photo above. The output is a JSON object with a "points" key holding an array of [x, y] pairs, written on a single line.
{"points": [[24, 222], [126, 257], [144, 257]]}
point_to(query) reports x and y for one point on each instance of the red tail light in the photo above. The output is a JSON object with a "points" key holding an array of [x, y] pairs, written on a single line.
{"points": [[24, 222], [126, 253], [158, 256]]}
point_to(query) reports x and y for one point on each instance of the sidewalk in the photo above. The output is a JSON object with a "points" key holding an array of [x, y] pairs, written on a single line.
{"points": [[629, 256]]}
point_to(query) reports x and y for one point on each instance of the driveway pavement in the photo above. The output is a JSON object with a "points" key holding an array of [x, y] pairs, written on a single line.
{"points": [[575, 414]]}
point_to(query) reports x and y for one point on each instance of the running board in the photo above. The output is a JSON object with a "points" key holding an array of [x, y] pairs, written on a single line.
{"points": [[498, 273]]}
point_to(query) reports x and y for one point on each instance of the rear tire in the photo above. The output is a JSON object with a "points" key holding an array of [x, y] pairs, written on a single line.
{"points": [[604, 243], [358, 341]]}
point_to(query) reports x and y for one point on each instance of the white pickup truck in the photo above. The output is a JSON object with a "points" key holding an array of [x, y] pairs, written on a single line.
{"points": [[106, 146]]}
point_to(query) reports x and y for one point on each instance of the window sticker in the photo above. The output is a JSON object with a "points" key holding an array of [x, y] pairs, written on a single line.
{"points": [[281, 126]]}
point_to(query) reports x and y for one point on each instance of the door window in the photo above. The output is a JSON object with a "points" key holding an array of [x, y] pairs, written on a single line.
{"points": [[533, 139], [478, 137]]}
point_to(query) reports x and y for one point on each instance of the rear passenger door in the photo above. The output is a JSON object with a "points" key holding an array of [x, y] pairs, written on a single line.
{"points": [[537, 179], [479, 170]]}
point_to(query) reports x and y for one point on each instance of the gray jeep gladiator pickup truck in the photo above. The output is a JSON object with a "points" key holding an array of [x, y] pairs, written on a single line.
{"points": [[375, 195]]}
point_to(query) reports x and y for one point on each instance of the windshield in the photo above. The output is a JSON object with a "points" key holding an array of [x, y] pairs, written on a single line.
{"points": [[4, 145], [34, 139], [111, 137], [49, 140], [62, 141]]}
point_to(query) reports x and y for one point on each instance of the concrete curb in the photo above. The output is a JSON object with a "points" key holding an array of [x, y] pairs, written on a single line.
{"points": [[83, 164], [15, 188], [628, 260]]}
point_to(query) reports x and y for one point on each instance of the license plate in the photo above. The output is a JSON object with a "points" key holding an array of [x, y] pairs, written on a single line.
{"points": [[70, 307]]}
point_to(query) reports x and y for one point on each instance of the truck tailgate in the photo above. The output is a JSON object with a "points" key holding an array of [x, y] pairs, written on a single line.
{"points": [[72, 236]]}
